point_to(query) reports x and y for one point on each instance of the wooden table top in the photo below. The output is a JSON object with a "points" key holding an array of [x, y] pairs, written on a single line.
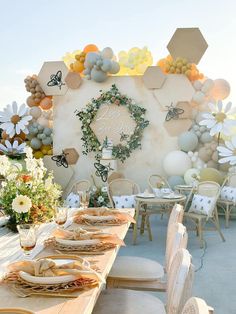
{"points": [[85, 301], [159, 200]]}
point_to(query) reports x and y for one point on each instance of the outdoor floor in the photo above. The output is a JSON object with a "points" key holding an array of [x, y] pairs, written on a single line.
{"points": [[215, 282]]}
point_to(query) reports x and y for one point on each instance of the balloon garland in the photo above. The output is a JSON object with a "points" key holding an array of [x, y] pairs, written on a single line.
{"points": [[124, 149]]}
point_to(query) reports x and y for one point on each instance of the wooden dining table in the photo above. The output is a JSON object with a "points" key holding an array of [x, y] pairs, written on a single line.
{"points": [[86, 300]]}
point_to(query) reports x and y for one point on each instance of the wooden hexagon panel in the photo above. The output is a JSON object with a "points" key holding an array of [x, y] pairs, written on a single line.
{"points": [[52, 78], [176, 87], [72, 155], [153, 77], [112, 120], [73, 80], [187, 43]]}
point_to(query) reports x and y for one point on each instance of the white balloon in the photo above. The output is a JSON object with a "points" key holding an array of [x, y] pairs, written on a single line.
{"points": [[176, 163], [190, 175]]}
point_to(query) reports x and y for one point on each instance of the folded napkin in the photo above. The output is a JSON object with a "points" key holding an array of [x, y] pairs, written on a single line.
{"points": [[82, 234], [48, 268], [105, 213]]}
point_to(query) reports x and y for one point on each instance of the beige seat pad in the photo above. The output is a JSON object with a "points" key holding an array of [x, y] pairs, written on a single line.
{"points": [[122, 301], [136, 268]]}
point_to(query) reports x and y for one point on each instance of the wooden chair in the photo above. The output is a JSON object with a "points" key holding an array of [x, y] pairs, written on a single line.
{"points": [[148, 274], [132, 302], [227, 206], [156, 179], [82, 185], [114, 176], [210, 189], [197, 306]]}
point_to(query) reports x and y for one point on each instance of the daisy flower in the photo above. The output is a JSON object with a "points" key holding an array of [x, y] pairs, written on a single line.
{"points": [[21, 204], [15, 119], [217, 121], [228, 152], [12, 149]]}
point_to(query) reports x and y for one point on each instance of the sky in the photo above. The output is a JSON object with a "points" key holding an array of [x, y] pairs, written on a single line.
{"points": [[32, 32]]}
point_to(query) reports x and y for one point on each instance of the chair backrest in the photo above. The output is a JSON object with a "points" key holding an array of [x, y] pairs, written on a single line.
{"points": [[178, 239], [156, 179], [196, 306], [179, 283], [82, 185], [208, 188], [231, 180], [120, 187], [114, 176]]}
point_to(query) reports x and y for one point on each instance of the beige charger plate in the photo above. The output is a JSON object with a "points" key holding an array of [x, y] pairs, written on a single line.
{"points": [[15, 311]]}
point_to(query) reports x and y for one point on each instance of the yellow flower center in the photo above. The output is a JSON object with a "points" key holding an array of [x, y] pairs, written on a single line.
{"points": [[15, 119], [220, 116], [21, 203]]}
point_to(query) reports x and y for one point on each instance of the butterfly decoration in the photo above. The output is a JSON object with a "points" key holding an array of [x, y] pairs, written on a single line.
{"points": [[123, 136], [56, 80], [60, 160], [173, 112], [102, 171]]}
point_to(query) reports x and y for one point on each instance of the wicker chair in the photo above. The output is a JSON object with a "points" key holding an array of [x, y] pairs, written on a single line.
{"points": [[114, 176], [82, 185], [196, 306], [227, 206], [210, 189], [148, 274], [131, 302]]}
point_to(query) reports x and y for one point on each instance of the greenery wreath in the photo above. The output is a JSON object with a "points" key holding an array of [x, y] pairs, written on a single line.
{"points": [[128, 143]]}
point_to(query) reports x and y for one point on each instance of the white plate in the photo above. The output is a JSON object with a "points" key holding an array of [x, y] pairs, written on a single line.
{"points": [[143, 195], [172, 196], [77, 242], [184, 186], [46, 280]]}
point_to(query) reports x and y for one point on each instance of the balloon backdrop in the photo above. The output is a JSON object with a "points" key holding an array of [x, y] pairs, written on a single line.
{"points": [[211, 174], [191, 175], [175, 180], [188, 141], [176, 163]]}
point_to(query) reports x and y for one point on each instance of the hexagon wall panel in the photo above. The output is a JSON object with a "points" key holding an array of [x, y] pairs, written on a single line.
{"points": [[153, 77], [187, 43], [52, 78], [73, 80], [72, 155], [176, 88]]}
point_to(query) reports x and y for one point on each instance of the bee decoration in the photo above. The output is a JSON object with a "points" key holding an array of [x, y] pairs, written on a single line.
{"points": [[60, 160], [173, 112], [102, 171], [56, 80]]}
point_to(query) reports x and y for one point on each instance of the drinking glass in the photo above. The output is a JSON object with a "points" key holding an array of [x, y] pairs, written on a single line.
{"points": [[61, 216], [27, 235], [84, 199]]}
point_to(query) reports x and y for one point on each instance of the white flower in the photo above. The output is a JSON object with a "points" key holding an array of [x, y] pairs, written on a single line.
{"points": [[4, 165], [228, 152], [12, 149], [15, 119], [100, 199], [29, 152], [104, 189], [21, 204], [217, 121]]}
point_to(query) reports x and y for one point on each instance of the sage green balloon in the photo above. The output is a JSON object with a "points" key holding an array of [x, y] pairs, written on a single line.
{"points": [[188, 141], [175, 180]]}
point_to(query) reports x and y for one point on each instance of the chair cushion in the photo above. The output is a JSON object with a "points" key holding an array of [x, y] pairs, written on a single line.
{"points": [[122, 301], [136, 268], [203, 205], [124, 201], [72, 200], [228, 193]]}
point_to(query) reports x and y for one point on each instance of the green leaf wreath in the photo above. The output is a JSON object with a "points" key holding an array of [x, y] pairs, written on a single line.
{"points": [[128, 143]]}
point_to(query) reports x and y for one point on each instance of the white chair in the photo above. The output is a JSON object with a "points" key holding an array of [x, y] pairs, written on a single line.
{"points": [[227, 206], [210, 189], [149, 274], [82, 185], [197, 306], [123, 301]]}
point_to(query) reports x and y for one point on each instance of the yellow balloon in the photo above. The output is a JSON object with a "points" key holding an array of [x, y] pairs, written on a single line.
{"points": [[38, 154]]}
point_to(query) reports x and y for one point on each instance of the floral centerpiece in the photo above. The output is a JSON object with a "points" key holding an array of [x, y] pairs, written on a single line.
{"points": [[99, 197], [28, 193]]}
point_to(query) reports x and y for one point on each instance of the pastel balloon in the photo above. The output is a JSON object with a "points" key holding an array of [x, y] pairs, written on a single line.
{"points": [[35, 143], [199, 97], [206, 137], [91, 59], [207, 86], [38, 154], [47, 141], [176, 163], [220, 90], [30, 102], [47, 131], [106, 65], [188, 141], [115, 67], [44, 123], [191, 175], [211, 174], [90, 48], [175, 180], [203, 154], [107, 53], [35, 112], [197, 85], [98, 76], [46, 103]]}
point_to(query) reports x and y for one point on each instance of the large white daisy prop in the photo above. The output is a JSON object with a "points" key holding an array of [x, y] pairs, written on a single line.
{"points": [[15, 119], [12, 149], [228, 152], [218, 121]]}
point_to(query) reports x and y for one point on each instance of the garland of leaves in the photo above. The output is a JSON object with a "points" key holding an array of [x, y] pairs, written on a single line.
{"points": [[128, 143]]}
